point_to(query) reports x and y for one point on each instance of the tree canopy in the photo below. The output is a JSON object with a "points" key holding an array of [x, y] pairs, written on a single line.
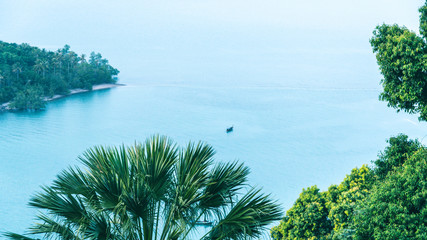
{"points": [[151, 190], [27, 74], [385, 201], [396, 207], [307, 219], [401, 56], [399, 150]]}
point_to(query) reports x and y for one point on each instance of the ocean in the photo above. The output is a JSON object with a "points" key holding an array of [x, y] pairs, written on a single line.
{"points": [[291, 138], [297, 80]]}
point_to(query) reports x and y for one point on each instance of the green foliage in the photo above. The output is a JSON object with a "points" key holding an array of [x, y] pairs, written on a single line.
{"points": [[52, 72], [401, 55], [396, 207], [151, 191], [29, 98], [344, 199], [307, 219], [394, 155], [423, 20], [387, 202], [326, 215]]}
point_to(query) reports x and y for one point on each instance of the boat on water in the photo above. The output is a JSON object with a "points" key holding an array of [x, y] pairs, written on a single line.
{"points": [[203, 223], [230, 129]]}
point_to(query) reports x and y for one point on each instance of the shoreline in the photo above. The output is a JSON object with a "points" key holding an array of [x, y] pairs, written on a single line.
{"points": [[5, 106], [81, 90]]}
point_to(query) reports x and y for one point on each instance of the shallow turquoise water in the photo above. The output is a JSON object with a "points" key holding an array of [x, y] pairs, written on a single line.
{"points": [[290, 137]]}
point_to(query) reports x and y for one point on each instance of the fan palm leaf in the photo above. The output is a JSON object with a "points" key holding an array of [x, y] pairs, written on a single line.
{"points": [[150, 191], [247, 218]]}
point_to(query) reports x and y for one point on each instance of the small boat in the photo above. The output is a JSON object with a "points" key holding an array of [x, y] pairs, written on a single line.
{"points": [[230, 129], [203, 223]]}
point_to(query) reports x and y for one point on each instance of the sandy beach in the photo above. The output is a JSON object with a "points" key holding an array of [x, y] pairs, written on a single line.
{"points": [[5, 106], [80, 90]]}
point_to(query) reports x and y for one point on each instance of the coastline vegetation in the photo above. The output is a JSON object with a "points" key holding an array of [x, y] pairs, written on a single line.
{"points": [[28, 74], [389, 199], [385, 201]]}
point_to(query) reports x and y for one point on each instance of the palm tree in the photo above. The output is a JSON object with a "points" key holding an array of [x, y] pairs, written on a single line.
{"points": [[151, 191], [55, 62], [73, 60], [83, 58], [41, 66], [17, 68]]}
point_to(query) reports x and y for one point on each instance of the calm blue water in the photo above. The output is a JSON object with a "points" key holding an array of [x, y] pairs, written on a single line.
{"points": [[290, 138], [297, 79]]}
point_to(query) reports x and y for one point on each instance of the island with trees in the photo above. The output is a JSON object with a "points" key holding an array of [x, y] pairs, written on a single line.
{"points": [[29, 76]]}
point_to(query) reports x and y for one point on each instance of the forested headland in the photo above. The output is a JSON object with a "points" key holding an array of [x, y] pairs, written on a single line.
{"points": [[28, 74]]}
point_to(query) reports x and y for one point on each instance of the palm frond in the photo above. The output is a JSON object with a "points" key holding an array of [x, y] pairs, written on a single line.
{"points": [[224, 181], [74, 181], [55, 229], [68, 206], [176, 232], [99, 228], [150, 191], [193, 164], [247, 218], [191, 174], [153, 162], [137, 200], [15, 236], [108, 174]]}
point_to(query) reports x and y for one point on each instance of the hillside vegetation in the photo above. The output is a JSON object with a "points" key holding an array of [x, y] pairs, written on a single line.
{"points": [[27, 73], [385, 201]]}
